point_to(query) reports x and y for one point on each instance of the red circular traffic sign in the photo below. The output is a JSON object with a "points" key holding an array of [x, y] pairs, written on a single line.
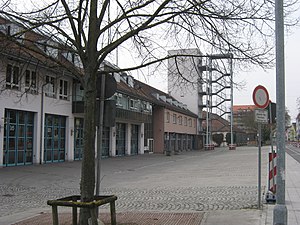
{"points": [[260, 97]]}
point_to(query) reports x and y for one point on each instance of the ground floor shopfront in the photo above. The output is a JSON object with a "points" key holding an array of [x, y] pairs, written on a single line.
{"points": [[24, 140], [175, 142]]}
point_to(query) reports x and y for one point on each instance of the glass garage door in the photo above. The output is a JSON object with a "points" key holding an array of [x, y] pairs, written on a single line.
{"points": [[55, 134], [105, 142], [78, 138], [120, 138], [134, 139], [18, 138]]}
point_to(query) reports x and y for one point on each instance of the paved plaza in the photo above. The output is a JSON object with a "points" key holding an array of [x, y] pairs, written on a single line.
{"points": [[213, 182]]}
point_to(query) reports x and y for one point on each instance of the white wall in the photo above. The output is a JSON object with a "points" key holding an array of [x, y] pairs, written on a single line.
{"points": [[183, 77], [19, 100]]}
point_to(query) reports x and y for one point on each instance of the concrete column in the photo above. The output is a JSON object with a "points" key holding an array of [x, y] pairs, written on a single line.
{"points": [[141, 138], [70, 139], [176, 144], [1, 135], [112, 144], [39, 129], [128, 139]]}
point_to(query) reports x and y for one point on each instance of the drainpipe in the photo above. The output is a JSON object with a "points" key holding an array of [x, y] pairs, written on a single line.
{"points": [[231, 99], [42, 123]]}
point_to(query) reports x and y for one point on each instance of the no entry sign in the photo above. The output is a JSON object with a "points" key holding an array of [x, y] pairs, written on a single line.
{"points": [[260, 97]]}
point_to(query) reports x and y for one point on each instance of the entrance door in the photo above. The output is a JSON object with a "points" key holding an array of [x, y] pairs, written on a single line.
{"points": [[78, 138], [120, 138], [55, 134], [18, 138], [134, 139]]}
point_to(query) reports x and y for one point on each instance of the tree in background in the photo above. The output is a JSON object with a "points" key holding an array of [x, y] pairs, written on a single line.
{"points": [[94, 30], [228, 138], [218, 138]]}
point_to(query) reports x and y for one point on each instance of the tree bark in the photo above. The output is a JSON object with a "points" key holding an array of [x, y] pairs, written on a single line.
{"points": [[87, 184]]}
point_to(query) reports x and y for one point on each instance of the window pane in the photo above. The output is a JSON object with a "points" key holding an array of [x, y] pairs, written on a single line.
{"points": [[8, 73], [60, 86], [27, 78], [11, 143], [62, 155], [12, 130], [16, 75], [28, 156], [22, 117], [62, 144], [29, 131], [33, 79], [30, 118], [48, 156], [56, 121], [12, 117], [65, 88], [49, 132], [55, 155], [49, 120], [63, 132], [21, 144], [55, 143], [29, 144], [49, 144], [11, 157], [20, 156]]}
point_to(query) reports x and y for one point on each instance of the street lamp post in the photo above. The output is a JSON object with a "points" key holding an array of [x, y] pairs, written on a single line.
{"points": [[280, 210]]}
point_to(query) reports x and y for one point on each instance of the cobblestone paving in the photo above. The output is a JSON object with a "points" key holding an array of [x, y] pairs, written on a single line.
{"points": [[186, 199], [15, 199], [190, 199]]}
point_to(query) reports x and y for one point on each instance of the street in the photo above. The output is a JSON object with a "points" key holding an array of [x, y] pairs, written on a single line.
{"points": [[294, 152], [193, 181]]}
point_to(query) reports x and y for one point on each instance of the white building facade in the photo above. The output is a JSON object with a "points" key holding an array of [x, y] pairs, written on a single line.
{"points": [[185, 80], [36, 114]]}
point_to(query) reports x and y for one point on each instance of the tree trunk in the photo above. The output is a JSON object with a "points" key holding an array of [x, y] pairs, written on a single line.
{"points": [[90, 62], [87, 184]]}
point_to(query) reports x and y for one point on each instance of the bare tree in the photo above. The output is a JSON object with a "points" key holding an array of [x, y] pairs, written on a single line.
{"points": [[94, 29]]}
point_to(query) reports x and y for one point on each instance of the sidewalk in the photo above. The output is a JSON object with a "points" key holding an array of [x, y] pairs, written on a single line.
{"points": [[292, 196]]}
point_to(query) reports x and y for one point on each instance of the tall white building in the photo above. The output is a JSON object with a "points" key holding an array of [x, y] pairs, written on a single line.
{"points": [[185, 79]]}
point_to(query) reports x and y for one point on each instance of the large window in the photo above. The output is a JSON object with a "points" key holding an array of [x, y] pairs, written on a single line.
{"points": [[63, 89], [50, 86], [12, 76], [132, 103], [30, 81], [167, 117], [180, 120], [190, 122], [119, 98], [185, 121], [174, 118]]}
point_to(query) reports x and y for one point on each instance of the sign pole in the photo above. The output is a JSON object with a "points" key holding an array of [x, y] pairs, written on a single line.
{"points": [[259, 166], [261, 100], [280, 213]]}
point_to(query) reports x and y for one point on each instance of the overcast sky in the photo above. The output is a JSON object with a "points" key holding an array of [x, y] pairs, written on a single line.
{"points": [[260, 77], [268, 79]]}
